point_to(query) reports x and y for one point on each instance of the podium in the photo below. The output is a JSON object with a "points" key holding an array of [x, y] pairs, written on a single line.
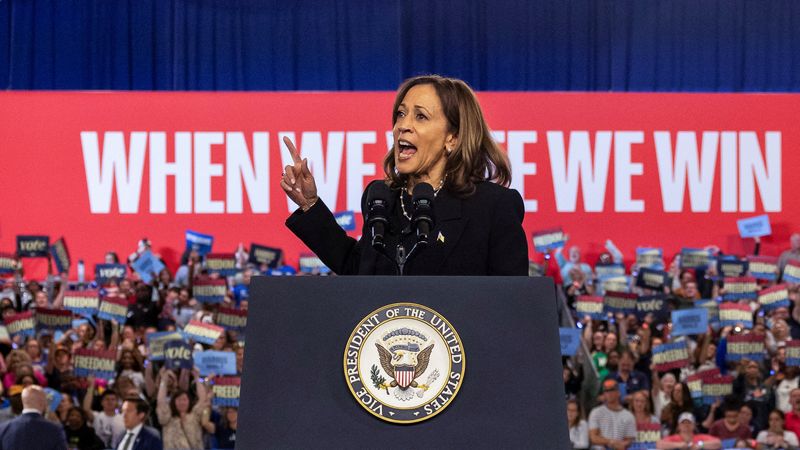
{"points": [[295, 393]]}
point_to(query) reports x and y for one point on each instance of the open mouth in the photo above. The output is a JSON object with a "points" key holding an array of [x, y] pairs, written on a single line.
{"points": [[405, 149]]}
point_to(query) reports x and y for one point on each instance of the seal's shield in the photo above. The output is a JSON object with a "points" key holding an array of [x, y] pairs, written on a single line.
{"points": [[404, 375]]}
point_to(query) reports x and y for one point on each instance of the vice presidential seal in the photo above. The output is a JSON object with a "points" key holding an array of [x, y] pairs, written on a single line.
{"points": [[404, 363]]}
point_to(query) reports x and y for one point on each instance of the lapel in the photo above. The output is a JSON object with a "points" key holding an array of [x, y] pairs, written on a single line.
{"points": [[446, 232]]}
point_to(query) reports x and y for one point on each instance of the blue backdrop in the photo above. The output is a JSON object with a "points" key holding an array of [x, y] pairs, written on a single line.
{"points": [[591, 45]]}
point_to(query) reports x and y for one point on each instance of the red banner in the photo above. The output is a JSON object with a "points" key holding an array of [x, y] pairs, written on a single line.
{"points": [[106, 169]]}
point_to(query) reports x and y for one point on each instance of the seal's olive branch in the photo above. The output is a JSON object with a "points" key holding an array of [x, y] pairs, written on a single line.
{"points": [[378, 380]]}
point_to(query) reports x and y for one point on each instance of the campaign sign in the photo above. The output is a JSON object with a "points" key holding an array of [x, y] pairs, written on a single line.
{"points": [[650, 257], [735, 314], [53, 398], [205, 333], [620, 302], [689, 321], [178, 355], [695, 258], [763, 267], [647, 435], [226, 391], [346, 220], [590, 305], [657, 305], [232, 319], [672, 355], [310, 263], [53, 319], [609, 270], [651, 279], [791, 272], [199, 242], [546, 240], [85, 303], [7, 263], [22, 324], [101, 364], [113, 308], [745, 346], [33, 246], [570, 340], [156, 341], [222, 263], [793, 353], [739, 288], [717, 387], [732, 267], [695, 382], [260, 254], [713, 310], [147, 265], [209, 290], [615, 284], [754, 226], [60, 255], [212, 362], [105, 273], [774, 297]]}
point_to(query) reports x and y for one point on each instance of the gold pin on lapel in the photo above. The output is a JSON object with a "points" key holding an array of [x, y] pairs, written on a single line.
{"points": [[440, 238]]}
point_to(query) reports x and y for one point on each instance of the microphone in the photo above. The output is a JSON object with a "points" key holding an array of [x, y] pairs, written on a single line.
{"points": [[422, 219], [378, 199]]}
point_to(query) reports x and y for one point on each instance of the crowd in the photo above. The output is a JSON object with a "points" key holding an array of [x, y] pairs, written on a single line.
{"points": [[726, 377], [105, 376]]}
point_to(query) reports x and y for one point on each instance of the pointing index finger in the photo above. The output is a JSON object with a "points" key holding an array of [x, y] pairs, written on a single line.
{"points": [[292, 149]]}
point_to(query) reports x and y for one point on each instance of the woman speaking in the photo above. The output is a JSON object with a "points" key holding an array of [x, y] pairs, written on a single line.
{"points": [[444, 207]]}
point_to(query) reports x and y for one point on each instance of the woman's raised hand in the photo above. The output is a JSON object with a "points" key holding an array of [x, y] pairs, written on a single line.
{"points": [[297, 180]]}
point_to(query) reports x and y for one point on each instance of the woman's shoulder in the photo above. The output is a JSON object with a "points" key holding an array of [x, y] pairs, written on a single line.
{"points": [[487, 191]]}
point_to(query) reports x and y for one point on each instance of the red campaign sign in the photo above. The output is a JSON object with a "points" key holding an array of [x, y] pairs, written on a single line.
{"points": [[105, 169]]}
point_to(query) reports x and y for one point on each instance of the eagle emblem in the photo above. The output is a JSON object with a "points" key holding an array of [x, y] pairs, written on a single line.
{"points": [[404, 355]]}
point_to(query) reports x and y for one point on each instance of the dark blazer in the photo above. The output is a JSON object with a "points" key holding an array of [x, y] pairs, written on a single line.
{"points": [[31, 431], [147, 439], [478, 235]]}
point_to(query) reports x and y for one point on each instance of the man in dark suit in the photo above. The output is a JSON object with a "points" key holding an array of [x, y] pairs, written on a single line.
{"points": [[30, 430], [137, 435]]}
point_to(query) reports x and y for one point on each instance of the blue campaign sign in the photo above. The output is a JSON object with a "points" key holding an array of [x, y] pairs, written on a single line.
{"points": [[199, 242], [146, 265], [178, 355], [217, 363], [689, 321], [53, 398], [346, 220], [754, 226], [570, 340]]}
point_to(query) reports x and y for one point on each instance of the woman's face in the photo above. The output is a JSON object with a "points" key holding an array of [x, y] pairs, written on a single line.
{"points": [[780, 329], [421, 133], [33, 349], [752, 370], [677, 393], [74, 420], [126, 360], [745, 415], [597, 339], [41, 300], [610, 342], [232, 414], [639, 403], [572, 412], [775, 421], [182, 403], [668, 384]]}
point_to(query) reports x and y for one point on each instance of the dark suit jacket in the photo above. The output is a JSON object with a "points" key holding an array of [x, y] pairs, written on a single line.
{"points": [[147, 439], [31, 432], [479, 235]]}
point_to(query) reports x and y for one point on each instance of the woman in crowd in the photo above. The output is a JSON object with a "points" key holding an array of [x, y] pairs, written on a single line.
{"points": [[661, 391], [79, 435], [578, 428], [440, 138], [750, 387], [640, 406], [776, 436], [223, 427], [681, 402], [179, 417]]}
